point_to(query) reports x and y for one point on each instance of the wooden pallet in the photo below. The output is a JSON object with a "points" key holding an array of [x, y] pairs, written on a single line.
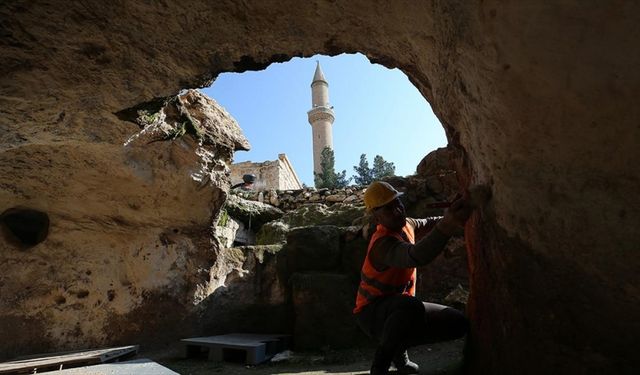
{"points": [[35, 364], [252, 348]]}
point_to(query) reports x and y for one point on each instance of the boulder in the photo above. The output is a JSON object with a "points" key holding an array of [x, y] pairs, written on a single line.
{"points": [[423, 191], [273, 232], [319, 214], [226, 230], [335, 198], [252, 213], [314, 248], [272, 196], [189, 114], [435, 163]]}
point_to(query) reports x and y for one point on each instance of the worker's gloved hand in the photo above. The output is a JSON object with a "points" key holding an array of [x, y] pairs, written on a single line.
{"points": [[455, 216]]}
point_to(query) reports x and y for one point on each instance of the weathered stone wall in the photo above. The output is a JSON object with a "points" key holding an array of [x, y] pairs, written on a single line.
{"points": [[270, 175], [291, 288], [287, 177], [293, 199], [538, 97], [435, 181]]}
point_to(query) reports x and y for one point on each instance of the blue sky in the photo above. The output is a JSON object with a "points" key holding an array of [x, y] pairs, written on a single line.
{"points": [[378, 112]]}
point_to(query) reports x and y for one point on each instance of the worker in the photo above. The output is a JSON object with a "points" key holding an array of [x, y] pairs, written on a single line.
{"points": [[386, 307], [247, 182]]}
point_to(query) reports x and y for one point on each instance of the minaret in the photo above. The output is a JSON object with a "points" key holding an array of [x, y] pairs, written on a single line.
{"points": [[321, 117]]}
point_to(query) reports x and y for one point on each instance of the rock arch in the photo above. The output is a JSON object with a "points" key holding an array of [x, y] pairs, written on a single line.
{"points": [[540, 97]]}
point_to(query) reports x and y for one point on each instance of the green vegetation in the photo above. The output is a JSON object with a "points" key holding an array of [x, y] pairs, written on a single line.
{"points": [[146, 118], [187, 125], [364, 175], [328, 178], [223, 218], [363, 172], [381, 168], [183, 128]]}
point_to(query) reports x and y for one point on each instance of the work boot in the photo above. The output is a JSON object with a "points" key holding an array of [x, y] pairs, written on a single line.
{"points": [[381, 363], [404, 365]]}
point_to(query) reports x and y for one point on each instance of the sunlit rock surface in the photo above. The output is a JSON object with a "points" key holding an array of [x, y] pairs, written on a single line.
{"points": [[539, 97], [129, 241]]}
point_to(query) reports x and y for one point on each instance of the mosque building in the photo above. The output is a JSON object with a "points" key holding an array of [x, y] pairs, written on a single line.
{"points": [[279, 174]]}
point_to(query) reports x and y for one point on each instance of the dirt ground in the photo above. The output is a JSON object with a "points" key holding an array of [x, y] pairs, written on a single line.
{"points": [[441, 359]]}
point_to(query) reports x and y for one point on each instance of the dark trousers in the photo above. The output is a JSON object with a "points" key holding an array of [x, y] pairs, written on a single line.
{"points": [[401, 321]]}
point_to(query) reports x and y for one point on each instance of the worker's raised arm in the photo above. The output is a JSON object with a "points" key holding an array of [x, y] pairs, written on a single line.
{"points": [[391, 252], [455, 217], [427, 222]]}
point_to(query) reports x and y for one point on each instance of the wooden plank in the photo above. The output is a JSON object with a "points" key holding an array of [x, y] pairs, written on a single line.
{"points": [[56, 361]]}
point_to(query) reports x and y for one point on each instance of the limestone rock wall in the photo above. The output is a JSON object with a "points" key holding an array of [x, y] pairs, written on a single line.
{"points": [[252, 293], [539, 98], [129, 233]]}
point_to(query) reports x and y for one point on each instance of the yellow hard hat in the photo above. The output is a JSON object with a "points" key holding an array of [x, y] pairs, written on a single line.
{"points": [[378, 194]]}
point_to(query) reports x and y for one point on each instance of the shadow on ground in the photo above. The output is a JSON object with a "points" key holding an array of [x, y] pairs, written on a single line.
{"points": [[441, 359]]}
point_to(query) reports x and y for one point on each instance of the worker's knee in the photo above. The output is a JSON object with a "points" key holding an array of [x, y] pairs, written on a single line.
{"points": [[411, 305], [455, 324]]}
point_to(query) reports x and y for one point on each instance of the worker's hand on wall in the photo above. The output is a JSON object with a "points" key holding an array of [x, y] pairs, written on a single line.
{"points": [[455, 216]]}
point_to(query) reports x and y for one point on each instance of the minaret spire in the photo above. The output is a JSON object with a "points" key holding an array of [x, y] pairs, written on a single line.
{"points": [[321, 117], [318, 75]]}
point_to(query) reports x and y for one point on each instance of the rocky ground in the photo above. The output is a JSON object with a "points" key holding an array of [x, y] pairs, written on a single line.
{"points": [[441, 359]]}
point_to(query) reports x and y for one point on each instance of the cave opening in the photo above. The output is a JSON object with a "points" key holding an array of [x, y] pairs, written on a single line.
{"points": [[377, 112], [540, 97], [271, 107]]}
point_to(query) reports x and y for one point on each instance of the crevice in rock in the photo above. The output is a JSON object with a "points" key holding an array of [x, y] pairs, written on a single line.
{"points": [[152, 106], [26, 226]]}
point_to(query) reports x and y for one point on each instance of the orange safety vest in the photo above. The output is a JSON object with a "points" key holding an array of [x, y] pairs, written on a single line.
{"points": [[391, 281]]}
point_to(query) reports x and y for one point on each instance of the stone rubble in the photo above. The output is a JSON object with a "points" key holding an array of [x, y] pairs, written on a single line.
{"points": [[288, 200]]}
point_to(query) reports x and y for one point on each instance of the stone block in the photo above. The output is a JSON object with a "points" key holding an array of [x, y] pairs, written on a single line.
{"points": [[313, 249], [273, 232], [323, 305], [336, 198], [353, 253]]}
